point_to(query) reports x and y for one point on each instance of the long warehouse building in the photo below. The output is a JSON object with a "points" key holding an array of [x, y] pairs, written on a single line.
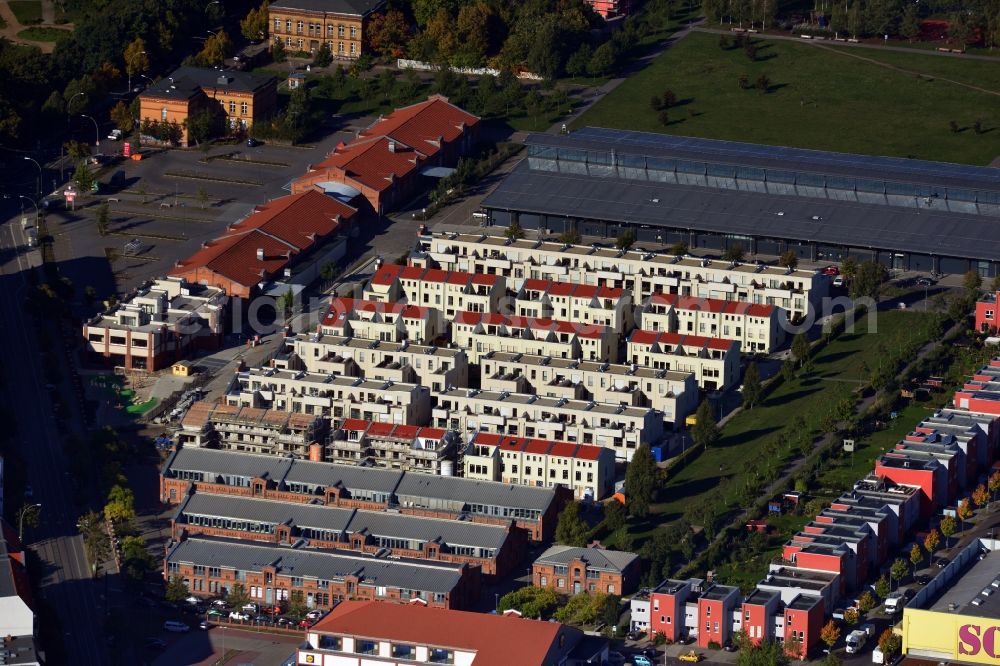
{"points": [[907, 214]]}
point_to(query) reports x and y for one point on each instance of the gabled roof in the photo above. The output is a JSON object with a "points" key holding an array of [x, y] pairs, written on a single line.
{"points": [[421, 125], [496, 640], [643, 337], [297, 219], [555, 448], [374, 162], [534, 324], [717, 305]]}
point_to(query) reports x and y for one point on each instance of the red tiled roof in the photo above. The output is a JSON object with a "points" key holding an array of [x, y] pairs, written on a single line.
{"points": [[421, 125], [281, 228], [412, 273], [531, 323], [712, 305], [386, 274], [432, 433], [643, 337], [497, 640], [381, 429], [484, 278], [589, 452], [370, 161], [488, 439], [355, 424]]}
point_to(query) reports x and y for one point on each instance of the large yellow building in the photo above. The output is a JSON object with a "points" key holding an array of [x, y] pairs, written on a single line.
{"points": [[303, 25], [962, 624], [245, 98]]}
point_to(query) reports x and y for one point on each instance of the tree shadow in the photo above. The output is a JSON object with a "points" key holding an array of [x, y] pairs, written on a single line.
{"points": [[790, 397], [744, 437]]}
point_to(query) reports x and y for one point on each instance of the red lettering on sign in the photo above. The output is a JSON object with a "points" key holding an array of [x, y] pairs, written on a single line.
{"points": [[968, 640], [990, 641]]}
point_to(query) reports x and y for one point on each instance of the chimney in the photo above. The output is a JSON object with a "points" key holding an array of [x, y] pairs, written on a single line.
{"points": [[392, 146], [260, 254]]}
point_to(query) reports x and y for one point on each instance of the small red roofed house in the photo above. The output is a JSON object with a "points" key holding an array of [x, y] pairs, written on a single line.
{"points": [[395, 158]]}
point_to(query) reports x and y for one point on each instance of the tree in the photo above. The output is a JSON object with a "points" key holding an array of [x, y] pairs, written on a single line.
{"points": [[789, 259], [640, 481], [83, 178], [801, 349], [916, 557], [202, 197], [972, 282], [237, 597], [625, 239], [679, 249], [571, 530], [655, 102], [388, 33], [297, 608], [932, 541], [910, 26], [994, 483], [743, 81], [120, 508], [136, 58], [278, 50], [96, 542], [980, 496], [603, 60], [329, 272], [767, 653], [889, 642], [849, 267], [866, 601], [763, 84], [324, 57], [830, 633], [964, 511], [136, 559], [734, 253], [832, 659], [217, 48], [571, 237], [533, 602], [122, 117], [705, 431], [101, 217], [851, 617], [948, 526], [882, 588], [254, 26], [514, 231], [751, 386], [953, 126], [664, 118], [614, 515], [286, 301], [897, 571], [669, 98], [788, 370], [177, 590], [206, 123], [868, 280]]}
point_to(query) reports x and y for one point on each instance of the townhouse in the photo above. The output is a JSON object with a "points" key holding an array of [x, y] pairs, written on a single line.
{"points": [[533, 509], [286, 239], [374, 634], [211, 566], [451, 292], [399, 362], [919, 469], [397, 157], [236, 428], [758, 328], [692, 608], [162, 322], [571, 570], [334, 397], [714, 362], [618, 427], [381, 320], [589, 471], [581, 303], [496, 549], [643, 273], [673, 393], [480, 333], [396, 446], [987, 316], [904, 501]]}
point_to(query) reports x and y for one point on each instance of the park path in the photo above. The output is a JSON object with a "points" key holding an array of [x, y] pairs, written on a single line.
{"points": [[853, 45], [824, 442], [13, 26]]}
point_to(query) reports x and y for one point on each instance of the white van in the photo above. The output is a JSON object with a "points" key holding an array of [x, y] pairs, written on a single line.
{"points": [[176, 627]]}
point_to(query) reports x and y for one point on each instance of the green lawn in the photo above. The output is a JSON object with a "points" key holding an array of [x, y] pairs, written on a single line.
{"points": [[818, 98], [747, 572], [37, 34], [746, 438], [26, 11]]}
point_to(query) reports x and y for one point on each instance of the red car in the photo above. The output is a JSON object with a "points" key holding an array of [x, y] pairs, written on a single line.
{"points": [[831, 270], [305, 623]]}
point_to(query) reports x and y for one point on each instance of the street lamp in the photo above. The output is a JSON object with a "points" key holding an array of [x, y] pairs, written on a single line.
{"points": [[39, 190], [20, 524], [130, 74], [97, 131], [33, 204]]}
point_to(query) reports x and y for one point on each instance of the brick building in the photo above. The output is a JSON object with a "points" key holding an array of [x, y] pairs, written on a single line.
{"points": [[571, 570], [496, 549], [211, 566], [304, 25], [243, 97]]}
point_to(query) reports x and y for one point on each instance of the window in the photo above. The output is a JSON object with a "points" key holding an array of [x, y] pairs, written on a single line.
{"points": [[440, 656], [989, 314], [330, 643], [288, 25], [243, 108], [340, 31], [354, 48], [232, 107], [401, 651], [329, 30], [354, 32], [365, 647], [298, 28], [543, 581]]}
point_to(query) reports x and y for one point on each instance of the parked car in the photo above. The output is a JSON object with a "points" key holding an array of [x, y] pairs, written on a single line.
{"points": [[922, 579], [252, 142], [305, 623], [925, 282], [176, 627], [251, 607], [640, 660], [193, 600], [219, 603], [115, 135], [239, 615], [839, 281], [831, 270], [691, 656], [942, 562], [314, 614], [216, 612], [204, 625], [838, 614]]}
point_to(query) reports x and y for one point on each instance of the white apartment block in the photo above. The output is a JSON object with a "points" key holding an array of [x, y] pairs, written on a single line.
{"points": [[758, 328], [643, 273], [581, 303], [675, 394], [253, 430], [618, 427], [163, 322], [589, 471], [714, 362], [482, 333], [330, 396], [434, 367], [405, 447], [449, 291], [375, 320]]}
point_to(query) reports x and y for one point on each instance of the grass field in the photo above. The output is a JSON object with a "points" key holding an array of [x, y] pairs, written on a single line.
{"points": [[817, 98], [836, 373], [37, 34], [26, 11]]}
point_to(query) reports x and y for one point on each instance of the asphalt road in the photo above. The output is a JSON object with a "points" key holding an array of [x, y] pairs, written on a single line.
{"points": [[66, 582]]}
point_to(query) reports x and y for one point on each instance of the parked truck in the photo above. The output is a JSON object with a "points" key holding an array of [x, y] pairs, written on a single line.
{"points": [[855, 641]]}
